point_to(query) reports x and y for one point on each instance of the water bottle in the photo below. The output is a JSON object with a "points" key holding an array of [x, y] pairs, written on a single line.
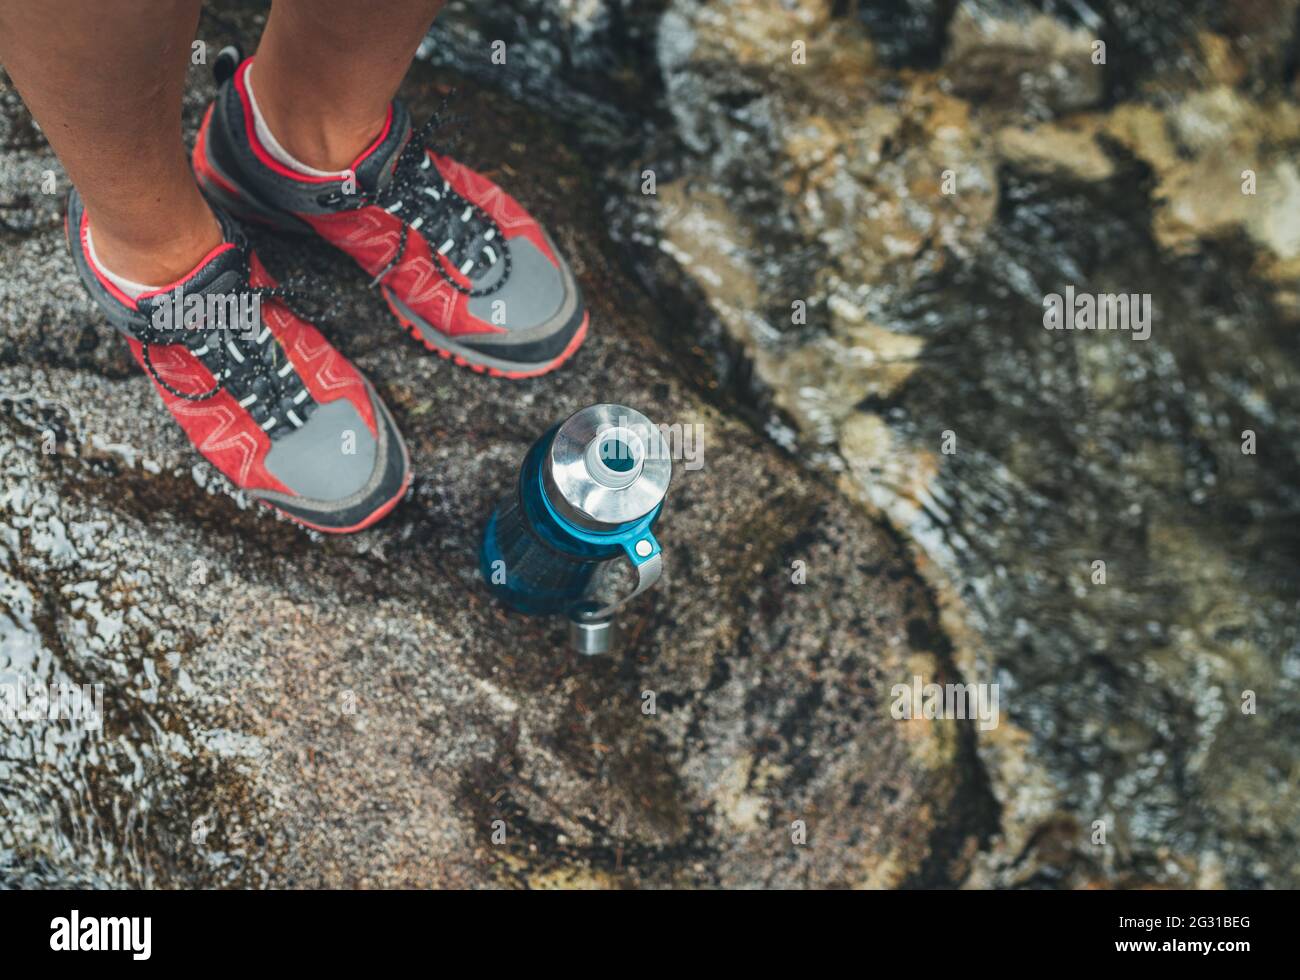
{"points": [[590, 490]]}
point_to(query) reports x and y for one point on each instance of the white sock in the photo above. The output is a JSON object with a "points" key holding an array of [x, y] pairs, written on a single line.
{"points": [[272, 145], [132, 289]]}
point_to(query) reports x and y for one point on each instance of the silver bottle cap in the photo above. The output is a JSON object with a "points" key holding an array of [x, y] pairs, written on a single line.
{"points": [[607, 465]]}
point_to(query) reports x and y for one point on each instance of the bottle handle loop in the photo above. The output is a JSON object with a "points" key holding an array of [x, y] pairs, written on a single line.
{"points": [[589, 628]]}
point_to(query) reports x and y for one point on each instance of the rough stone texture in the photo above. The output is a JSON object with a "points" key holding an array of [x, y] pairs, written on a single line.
{"points": [[1005, 54], [863, 243], [810, 268], [285, 709]]}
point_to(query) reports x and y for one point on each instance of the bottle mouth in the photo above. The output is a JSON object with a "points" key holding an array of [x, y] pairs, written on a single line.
{"points": [[615, 458], [602, 471]]}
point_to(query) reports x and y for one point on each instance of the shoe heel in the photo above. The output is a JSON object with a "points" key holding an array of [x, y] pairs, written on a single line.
{"points": [[225, 194], [243, 210]]}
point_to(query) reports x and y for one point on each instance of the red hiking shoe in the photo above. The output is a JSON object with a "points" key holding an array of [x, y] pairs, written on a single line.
{"points": [[259, 391], [463, 267]]}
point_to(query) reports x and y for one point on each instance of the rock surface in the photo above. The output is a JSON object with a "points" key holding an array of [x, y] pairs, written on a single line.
{"points": [[283, 709], [923, 211], [845, 256], [860, 241]]}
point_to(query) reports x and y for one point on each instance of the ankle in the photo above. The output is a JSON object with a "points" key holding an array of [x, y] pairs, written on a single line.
{"points": [[325, 143], [146, 257]]}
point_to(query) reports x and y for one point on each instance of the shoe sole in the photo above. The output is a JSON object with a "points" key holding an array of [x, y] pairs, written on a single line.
{"points": [[223, 191], [375, 516], [493, 367]]}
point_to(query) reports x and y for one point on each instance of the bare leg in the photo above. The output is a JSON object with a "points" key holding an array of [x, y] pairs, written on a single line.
{"points": [[104, 80], [327, 69]]}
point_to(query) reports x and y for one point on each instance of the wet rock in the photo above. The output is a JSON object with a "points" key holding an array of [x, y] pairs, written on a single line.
{"points": [[820, 188], [1250, 44], [1223, 165], [1068, 152], [906, 32], [578, 60], [920, 329], [811, 275], [846, 163], [284, 709], [799, 207], [1039, 481], [1236, 171], [1008, 57]]}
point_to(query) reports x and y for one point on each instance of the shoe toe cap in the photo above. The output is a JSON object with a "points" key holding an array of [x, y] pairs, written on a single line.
{"points": [[342, 476], [537, 293]]}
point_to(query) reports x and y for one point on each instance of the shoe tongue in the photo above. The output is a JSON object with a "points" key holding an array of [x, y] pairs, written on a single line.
{"points": [[376, 170], [223, 273]]}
